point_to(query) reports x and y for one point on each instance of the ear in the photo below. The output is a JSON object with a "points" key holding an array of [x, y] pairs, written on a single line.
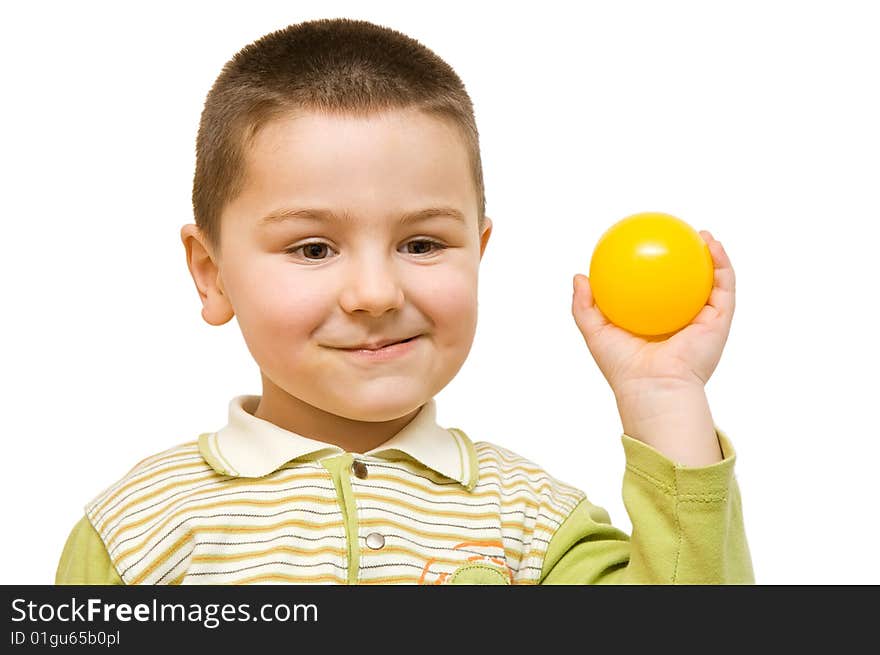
{"points": [[216, 308], [484, 235]]}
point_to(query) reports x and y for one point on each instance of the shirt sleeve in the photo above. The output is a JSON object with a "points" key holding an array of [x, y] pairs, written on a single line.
{"points": [[687, 527], [84, 560]]}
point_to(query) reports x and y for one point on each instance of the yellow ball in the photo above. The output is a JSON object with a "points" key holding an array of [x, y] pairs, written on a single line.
{"points": [[651, 273]]}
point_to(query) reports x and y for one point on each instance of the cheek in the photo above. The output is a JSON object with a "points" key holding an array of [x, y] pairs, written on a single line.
{"points": [[451, 303], [272, 304]]}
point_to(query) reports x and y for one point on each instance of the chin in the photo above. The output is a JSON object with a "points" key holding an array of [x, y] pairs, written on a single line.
{"points": [[388, 409]]}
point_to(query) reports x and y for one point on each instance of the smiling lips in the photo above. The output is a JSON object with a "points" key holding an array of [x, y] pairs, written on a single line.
{"points": [[382, 351], [377, 345]]}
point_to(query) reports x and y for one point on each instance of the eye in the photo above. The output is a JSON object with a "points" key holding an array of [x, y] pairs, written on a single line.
{"points": [[314, 251], [424, 246]]}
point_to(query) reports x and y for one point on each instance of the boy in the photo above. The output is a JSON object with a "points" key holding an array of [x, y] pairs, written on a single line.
{"points": [[339, 209]]}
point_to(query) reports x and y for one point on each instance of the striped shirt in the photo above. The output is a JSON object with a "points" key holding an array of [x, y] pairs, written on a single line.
{"points": [[254, 503]]}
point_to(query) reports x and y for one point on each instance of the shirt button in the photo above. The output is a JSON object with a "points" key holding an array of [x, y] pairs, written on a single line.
{"points": [[375, 540], [359, 469]]}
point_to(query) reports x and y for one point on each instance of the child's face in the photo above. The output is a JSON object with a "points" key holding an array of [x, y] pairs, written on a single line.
{"points": [[366, 278]]}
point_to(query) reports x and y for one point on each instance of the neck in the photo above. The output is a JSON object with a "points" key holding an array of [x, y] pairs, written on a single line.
{"points": [[294, 415]]}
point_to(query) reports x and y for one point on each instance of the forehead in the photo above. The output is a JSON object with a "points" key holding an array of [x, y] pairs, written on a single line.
{"points": [[398, 160]]}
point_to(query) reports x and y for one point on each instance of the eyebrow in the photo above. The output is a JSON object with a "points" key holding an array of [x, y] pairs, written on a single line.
{"points": [[287, 214]]}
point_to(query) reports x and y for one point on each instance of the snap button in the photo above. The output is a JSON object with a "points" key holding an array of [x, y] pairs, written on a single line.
{"points": [[375, 540], [359, 469]]}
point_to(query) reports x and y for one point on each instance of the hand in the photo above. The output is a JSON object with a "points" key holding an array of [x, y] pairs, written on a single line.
{"points": [[633, 364]]}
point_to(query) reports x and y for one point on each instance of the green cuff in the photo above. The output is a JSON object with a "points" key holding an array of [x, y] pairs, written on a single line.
{"points": [[681, 481]]}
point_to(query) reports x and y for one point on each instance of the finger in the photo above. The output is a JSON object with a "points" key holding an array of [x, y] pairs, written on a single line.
{"points": [[584, 309], [722, 296]]}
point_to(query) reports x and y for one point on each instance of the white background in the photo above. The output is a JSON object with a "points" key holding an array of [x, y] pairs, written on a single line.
{"points": [[755, 120]]}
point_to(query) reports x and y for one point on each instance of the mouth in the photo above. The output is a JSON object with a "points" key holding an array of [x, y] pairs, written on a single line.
{"points": [[380, 345], [383, 351]]}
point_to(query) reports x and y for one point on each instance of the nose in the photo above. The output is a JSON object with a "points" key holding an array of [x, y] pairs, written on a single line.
{"points": [[373, 286]]}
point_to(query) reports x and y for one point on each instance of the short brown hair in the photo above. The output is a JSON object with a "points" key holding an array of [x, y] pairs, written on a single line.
{"points": [[330, 65]]}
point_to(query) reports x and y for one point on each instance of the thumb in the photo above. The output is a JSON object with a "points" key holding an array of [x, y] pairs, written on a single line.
{"points": [[587, 315]]}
